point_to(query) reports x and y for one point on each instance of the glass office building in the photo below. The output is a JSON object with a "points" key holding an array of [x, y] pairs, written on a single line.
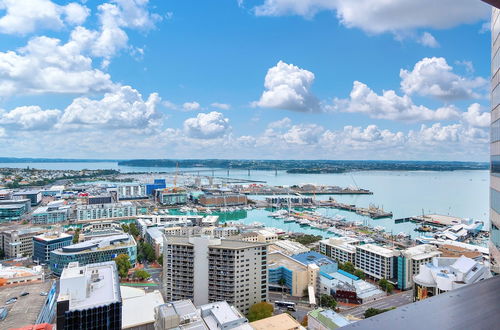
{"points": [[495, 143], [94, 251]]}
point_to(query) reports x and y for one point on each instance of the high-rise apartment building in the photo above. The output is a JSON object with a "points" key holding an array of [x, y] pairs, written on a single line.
{"points": [[495, 143], [206, 269]]}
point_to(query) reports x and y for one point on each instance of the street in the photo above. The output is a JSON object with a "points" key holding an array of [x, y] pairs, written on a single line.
{"points": [[302, 307], [395, 300]]}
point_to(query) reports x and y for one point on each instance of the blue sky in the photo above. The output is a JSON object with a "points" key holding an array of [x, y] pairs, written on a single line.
{"points": [[273, 79]]}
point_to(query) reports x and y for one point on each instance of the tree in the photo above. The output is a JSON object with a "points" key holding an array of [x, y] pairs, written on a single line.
{"points": [[125, 228], [134, 231], [304, 321], [160, 259], [146, 252], [141, 274], [123, 265], [328, 301], [359, 273], [76, 236], [385, 285], [260, 311], [375, 311]]}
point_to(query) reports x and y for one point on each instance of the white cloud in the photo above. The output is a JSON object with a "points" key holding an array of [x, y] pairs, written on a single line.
{"points": [[428, 40], [26, 16], [475, 117], [390, 106], [378, 16], [304, 134], [3, 133], [221, 106], [46, 66], [122, 109], [206, 126], [191, 106], [288, 87], [29, 118], [434, 77]]}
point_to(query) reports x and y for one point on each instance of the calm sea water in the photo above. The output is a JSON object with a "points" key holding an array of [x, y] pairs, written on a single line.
{"points": [[458, 193]]}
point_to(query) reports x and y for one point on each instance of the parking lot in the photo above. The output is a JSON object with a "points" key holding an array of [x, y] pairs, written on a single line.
{"points": [[26, 309]]}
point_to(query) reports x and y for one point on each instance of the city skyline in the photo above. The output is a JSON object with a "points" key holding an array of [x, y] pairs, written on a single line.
{"points": [[265, 79]]}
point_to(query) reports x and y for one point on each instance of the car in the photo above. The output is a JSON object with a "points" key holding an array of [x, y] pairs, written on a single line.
{"points": [[43, 293], [24, 294], [11, 300]]}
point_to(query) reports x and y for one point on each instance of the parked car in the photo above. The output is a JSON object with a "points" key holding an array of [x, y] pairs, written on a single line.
{"points": [[24, 294], [43, 293], [11, 301]]}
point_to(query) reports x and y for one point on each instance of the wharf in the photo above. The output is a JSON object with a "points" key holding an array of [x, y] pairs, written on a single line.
{"points": [[372, 211], [437, 220], [326, 190]]}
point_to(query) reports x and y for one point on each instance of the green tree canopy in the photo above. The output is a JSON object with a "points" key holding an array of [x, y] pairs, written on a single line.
{"points": [[328, 301], [375, 311], [134, 231], [160, 259], [260, 311], [141, 274], [123, 264], [385, 285]]}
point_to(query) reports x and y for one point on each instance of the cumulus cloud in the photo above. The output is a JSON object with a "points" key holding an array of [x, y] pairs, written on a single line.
{"points": [[475, 117], [428, 40], [122, 109], [390, 106], [191, 106], [288, 87], [434, 77], [221, 106], [26, 16], [45, 65], [304, 134], [378, 16], [207, 125], [29, 118]]}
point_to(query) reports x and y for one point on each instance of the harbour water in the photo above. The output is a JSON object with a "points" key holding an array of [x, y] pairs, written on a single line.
{"points": [[458, 193]]}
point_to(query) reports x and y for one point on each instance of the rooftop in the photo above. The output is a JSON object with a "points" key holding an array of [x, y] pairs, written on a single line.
{"points": [[51, 235], [313, 257], [329, 318], [380, 250], [145, 304], [289, 247], [101, 243], [278, 259], [217, 243], [281, 321], [90, 285], [470, 307], [26, 309]]}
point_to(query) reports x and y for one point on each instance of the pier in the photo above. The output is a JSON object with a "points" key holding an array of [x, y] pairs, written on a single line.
{"points": [[372, 211]]}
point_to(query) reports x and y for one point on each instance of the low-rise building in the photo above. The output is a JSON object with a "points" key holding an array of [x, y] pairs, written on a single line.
{"points": [[131, 191], [106, 211], [326, 319], [288, 247], [51, 214], [12, 212], [171, 197], [13, 275], [222, 200], [93, 251], [266, 236], [47, 242], [446, 274], [348, 288], [282, 321], [376, 261], [89, 297], [342, 249], [19, 242], [35, 196], [100, 229], [409, 262], [134, 300], [182, 314]]}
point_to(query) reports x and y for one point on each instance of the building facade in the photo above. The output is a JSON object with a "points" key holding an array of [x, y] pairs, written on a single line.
{"points": [[376, 261], [132, 191], [237, 271], [18, 243], [35, 197], [50, 214], [12, 212], [409, 262], [495, 143], [222, 200], [342, 249], [47, 242], [105, 211], [93, 251]]}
